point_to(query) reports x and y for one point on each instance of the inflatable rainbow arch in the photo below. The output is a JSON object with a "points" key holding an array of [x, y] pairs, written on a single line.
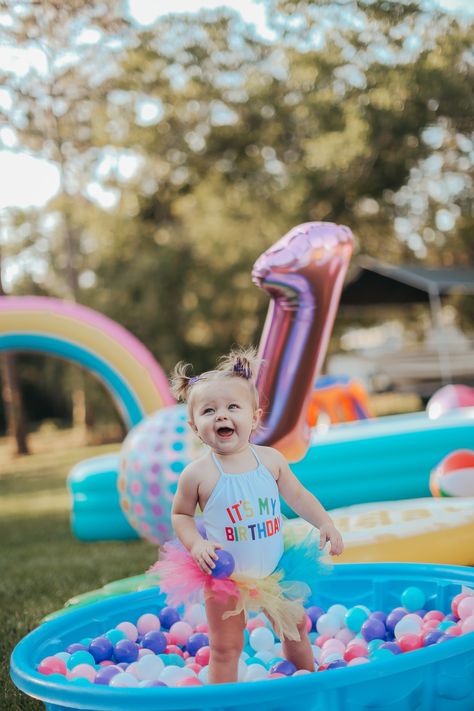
{"points": [[78, 334]]}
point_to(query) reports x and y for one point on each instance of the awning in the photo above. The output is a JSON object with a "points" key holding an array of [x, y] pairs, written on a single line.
{"points": [[373, 283]]}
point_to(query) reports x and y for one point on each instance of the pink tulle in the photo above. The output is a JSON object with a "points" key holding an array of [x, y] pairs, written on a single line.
{"points": [[188, 588]]}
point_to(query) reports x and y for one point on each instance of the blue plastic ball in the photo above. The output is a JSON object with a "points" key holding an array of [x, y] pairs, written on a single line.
{"points": [[155, 640], [224, 565], [126, 651], [101, 649], [413, 598], [195, 642], [105, 674], [373, 629], [168, 616], [285, 667]]}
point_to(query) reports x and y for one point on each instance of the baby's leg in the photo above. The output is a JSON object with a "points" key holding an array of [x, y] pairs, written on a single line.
{"points": [[300, 652], [226, 640]]}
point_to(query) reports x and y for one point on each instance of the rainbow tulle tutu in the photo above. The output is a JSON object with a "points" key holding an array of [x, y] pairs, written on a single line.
{"points": [[281, 595]]}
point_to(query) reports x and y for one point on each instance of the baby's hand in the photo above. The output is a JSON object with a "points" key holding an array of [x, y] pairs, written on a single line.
{"points": [[328, 532], [204, 553]]}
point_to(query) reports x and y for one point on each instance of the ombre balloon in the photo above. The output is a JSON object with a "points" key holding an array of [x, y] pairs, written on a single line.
{"points": [[303, 273]]}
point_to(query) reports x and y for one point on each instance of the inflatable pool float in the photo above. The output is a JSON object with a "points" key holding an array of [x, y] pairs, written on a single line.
{"points": [[436, 678], [389, 458], [417, 530]]}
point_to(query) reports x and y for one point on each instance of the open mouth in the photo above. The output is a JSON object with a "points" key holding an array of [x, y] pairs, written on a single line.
{"points": [[225, 432]]}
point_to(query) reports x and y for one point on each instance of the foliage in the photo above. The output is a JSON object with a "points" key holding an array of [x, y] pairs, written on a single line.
{"points": [[201, 143]]}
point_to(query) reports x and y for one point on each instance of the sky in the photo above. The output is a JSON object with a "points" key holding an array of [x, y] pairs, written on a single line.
{"points": [[32, 182]]}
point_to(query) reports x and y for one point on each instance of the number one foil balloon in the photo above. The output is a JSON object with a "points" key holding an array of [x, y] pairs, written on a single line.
{"points": [[303, 273]]}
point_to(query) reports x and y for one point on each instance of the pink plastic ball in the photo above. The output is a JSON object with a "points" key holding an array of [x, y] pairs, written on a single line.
{"points": [[334, 645], [466, 608], [275, 675], [468, 625], [409, 642], [354, 651], [129, 630], [322, 639], [345, 635], [84, 671], [180, 632], [202, 627], [147, 623], [52, 665], [254, 623], [190, 681], [357, 660], [454, 631], [433, 615], [455, 602], [202, 656]]}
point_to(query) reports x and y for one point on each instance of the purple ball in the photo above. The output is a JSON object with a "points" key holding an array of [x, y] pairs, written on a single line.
{"points": [[152, 682], [225, 565], [76, 647], [451, 617], [314, 613], [101, 648], [421, 613], [105, 674], [392, 647], [432, 637], [394, 618], [126, 651], [373, 629], [155, 640], [378, 615], [195, 642], [168, 616], [283, 667], [337, 664]]}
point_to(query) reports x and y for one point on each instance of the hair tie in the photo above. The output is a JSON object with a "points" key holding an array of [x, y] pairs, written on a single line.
{"points": [[242, 369], [193, 380]]}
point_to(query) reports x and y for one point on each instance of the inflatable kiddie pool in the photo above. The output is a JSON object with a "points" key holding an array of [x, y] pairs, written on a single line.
{"points": [[436, 678]]}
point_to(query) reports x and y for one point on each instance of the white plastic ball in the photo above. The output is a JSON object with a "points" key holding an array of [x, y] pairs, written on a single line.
{"points": [[328, 624], [339, 611], [264, 655], [261, 638], [147, 623], [172, 674], [255, 672], [410, 624], [150, 667], [123, 680], [203, 675]]}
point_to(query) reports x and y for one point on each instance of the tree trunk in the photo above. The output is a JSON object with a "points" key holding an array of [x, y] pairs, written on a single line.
{"points": [[11, 395], [13, 404]]}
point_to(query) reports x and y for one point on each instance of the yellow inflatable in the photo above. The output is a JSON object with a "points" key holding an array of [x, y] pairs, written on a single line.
{"points": [[415, 530]]}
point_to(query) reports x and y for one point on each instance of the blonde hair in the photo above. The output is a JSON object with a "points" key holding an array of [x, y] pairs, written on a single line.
{"points": [[240, 363]]}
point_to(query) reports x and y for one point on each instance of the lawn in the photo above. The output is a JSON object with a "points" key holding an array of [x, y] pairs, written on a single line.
{"points": [[42, 564]]}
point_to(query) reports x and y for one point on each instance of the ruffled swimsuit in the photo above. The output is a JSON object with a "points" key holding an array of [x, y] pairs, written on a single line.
{"points": [[243, 515]]}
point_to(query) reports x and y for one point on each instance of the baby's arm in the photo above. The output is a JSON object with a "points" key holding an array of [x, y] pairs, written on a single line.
{"points": [[184, 524], [307, 506]]}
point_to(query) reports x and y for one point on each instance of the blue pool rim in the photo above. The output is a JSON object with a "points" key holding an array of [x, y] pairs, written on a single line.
{"points": [[98, 698]]}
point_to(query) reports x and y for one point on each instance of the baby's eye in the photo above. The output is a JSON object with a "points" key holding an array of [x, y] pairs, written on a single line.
{"points": [[207, 411], [233, 406]]}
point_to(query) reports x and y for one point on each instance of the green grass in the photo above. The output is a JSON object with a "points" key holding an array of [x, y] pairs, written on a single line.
{"points": [[42, 564]]}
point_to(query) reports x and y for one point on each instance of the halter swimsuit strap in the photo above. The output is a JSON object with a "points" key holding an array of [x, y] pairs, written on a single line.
{"points": [[219, 465]]}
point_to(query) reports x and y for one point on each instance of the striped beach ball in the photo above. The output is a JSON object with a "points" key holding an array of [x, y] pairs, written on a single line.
{"points": [[454, 475]]}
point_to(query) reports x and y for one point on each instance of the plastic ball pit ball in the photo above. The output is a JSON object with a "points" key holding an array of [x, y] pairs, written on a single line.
{"points": [[224, 565], [365, 673]]}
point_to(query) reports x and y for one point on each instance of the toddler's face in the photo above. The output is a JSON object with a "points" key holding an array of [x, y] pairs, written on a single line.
{"points": [[223, 414]]}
